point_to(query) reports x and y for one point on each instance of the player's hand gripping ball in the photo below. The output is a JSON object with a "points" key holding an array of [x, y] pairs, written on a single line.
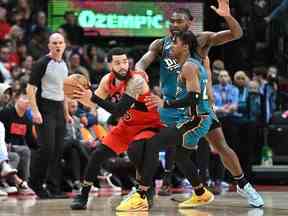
{"points": [[71, 83]]}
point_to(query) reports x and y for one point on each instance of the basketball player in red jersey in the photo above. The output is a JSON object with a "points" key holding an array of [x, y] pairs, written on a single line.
{"points": [[136, 123]]}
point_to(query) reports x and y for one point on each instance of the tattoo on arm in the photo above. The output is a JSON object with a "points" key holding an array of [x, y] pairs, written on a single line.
{"points": [[154, 51], [135, 86]]}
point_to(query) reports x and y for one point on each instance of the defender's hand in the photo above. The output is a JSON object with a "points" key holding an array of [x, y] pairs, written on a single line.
{"points": [[223, 9]]}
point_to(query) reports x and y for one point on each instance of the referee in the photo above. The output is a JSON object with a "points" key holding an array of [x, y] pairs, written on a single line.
{"points": [[45, 92]]}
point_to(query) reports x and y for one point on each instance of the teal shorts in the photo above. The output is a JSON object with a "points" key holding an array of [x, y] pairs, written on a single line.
{"points": [[193, 130]]}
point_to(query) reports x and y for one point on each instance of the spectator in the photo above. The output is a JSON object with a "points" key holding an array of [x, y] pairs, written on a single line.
{"points": [[41, 22], [4, 25], [5, 65], [76, 67], [75, 152], [259, 75], [248, 120], [74, 32], [37, 46], [217, 66], [5, 168], [5, 95], [226, 95], [19, 132], [241, 81]]}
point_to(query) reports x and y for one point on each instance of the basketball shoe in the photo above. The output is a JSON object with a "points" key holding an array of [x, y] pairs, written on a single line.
{"points": [[136, 201], [204, 199], [254, 198]]}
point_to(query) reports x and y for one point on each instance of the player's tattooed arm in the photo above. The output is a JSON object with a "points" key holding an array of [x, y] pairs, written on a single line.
{"points": [[154, 51], [135, 86]]}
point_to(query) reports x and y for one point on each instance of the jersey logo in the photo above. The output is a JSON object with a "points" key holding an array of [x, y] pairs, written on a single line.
{"points": [[127, 116], [171, 64]]}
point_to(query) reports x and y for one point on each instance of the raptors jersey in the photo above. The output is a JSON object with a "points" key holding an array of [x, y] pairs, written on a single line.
{"points": [[137, 123]]}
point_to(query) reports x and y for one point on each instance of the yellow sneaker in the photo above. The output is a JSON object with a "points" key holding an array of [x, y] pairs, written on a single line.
{"points": [[195, 201], [134, 202]]}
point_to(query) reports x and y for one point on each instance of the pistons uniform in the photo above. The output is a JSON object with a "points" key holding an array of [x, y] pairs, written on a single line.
{"points": [[137, 123], [171, 90], [192, 125]]}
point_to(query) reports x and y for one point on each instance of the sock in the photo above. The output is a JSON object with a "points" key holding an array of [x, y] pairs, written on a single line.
{"points": [[86, 187], [199, 190], [142, 192], [241, 180]]}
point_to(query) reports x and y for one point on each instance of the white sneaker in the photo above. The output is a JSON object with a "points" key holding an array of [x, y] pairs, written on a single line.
{"points": [[24, 189], [254, 198], [7, 170], [8, 189]]}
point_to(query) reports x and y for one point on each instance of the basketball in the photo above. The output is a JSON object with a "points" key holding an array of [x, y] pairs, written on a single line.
{"points": [[71, 83]]}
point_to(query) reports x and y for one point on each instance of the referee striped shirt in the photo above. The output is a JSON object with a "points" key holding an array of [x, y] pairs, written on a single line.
{"points": [[48, 76]]}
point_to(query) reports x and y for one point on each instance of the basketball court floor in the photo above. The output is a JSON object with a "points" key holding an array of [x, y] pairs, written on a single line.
{"points": [[103, 203]]}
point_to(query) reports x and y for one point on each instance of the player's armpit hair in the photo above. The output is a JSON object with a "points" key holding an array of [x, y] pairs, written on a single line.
{"points": [[191, 99], [135, 86], [116, 109]]}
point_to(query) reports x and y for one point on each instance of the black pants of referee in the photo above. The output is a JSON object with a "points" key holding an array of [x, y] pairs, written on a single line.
{"points": [[46, 162]]}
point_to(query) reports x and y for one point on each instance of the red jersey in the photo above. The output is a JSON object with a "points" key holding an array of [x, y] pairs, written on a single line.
{"points": [[137, 123]]}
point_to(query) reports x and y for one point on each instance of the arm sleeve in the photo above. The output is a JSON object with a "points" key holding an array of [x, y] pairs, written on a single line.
{"points": [[38, 71], [116, 109], [191, 99]]}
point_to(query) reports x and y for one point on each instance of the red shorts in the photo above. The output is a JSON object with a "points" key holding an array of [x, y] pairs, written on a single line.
{"points": [[122, 135]]}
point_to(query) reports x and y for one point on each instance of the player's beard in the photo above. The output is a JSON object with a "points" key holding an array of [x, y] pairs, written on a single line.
{"points": [[120, 76]]}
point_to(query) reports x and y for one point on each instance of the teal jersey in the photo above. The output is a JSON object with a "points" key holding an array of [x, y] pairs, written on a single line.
{"points": [[203, 107], [169, 71]]}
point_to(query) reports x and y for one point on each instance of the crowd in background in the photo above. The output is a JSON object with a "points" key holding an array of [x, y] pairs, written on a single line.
{"points": [[245, 101]]}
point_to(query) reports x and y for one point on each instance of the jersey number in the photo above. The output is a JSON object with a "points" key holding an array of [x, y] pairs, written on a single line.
{"points": [[205, 95]]}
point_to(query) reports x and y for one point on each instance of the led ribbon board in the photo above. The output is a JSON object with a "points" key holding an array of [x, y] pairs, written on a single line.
{"points": [[122, 18]]}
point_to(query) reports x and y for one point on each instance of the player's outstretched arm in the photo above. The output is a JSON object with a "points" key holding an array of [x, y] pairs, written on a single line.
{"points": [[153, 52], [235, 31]]}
